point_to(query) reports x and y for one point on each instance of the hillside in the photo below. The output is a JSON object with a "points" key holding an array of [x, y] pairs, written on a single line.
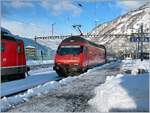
{"points": [[125, 24], [30, 42]]}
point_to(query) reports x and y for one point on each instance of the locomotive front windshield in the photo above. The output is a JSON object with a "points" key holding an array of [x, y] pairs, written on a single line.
{"points": [[74, 50]]}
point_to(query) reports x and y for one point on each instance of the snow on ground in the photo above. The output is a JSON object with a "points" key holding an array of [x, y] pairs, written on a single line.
{"points": [[7, 102], [107, 65], [127, 64], [124, 92], [130, 64], [41, 77], [41, 71], [39, 62]]}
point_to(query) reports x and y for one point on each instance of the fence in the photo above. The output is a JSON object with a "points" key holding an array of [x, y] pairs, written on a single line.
{"points": [[118, 45]]}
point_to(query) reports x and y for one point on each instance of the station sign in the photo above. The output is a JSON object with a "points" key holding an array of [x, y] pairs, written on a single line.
{"points": [[138, 39]]}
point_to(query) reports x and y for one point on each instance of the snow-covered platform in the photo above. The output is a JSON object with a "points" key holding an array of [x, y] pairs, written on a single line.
{"points": [[37, 77], [102, 89], [60, 93]]}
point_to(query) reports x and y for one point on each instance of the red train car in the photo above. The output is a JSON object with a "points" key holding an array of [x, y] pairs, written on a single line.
{"points": [[13, 61], [76, 55]]}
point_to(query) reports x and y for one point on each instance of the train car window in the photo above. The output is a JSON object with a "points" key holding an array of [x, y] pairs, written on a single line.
{"points": [[81, 49], [85, 49], [19, 49], [2, 47]]}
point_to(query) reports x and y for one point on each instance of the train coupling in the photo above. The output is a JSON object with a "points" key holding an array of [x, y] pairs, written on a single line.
{"points": [[28, 68]]}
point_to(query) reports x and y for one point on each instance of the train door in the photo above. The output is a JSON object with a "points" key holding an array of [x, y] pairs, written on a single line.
{"points": [[21, 58], [85, 52], [20, 55]]}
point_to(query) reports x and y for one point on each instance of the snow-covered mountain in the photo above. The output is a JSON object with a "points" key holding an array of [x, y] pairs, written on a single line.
{"points": [[126, 24]]}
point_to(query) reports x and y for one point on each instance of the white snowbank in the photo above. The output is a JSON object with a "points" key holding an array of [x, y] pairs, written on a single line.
{"points": [[9, 102], [39, 62], [8, 88], [127, 64], [134, 65], [124, 92], [145, 65], [107, 65]]}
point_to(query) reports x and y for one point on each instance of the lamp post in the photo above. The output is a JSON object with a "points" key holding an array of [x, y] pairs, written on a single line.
{"points": [[53, 28], [142, 38]]}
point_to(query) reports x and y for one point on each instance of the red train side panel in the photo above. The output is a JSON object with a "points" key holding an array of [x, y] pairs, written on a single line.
{"points": [[13, 61], [75, 54]]}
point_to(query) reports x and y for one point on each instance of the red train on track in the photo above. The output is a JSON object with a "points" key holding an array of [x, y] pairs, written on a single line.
{"points": [[76, 55], [13, 61]]}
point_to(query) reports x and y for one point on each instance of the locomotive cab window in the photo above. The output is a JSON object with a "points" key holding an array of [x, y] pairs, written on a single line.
{"points": [[2, 47], [73, 49], [85, 49]]}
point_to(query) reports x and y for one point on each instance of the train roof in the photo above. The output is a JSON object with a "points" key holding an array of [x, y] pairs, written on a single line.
{"points": [[3, 30], [81, 39], [9, 36]]}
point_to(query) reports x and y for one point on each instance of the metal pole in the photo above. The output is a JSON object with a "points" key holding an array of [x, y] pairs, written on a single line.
{"points": [[36, 47], [138, 44], [77, 27], [141, 42], [95, 18], [35, 39], [53, 28]]}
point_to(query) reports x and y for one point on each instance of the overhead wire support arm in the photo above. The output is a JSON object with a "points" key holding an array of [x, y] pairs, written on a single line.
{"points": [[77, 27]]}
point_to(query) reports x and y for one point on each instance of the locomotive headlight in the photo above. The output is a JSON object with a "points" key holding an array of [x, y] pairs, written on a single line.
{"points": [[76, 64], [58, 63], [57, 67]]}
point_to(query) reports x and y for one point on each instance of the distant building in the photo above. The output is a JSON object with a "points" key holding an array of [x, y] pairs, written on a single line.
{"points": [[30, 53]]}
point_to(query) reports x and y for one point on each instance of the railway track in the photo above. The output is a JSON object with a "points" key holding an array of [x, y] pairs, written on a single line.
{"points": [[34, 67], [22, 85], [19, 91], [24, 90]]}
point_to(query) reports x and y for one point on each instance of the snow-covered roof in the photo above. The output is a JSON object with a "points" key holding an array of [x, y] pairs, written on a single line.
{"points": [[29, 46]]}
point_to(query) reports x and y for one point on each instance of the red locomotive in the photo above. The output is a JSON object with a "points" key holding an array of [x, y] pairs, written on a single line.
{"points": [[13, 61], [76, 55]]}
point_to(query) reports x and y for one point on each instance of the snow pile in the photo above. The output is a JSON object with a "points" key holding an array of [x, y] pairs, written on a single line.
{"points": [[135, 65], [10, 102], [127, 64], [107, 65], [39, 62], [145, 65], [124, 92]]}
